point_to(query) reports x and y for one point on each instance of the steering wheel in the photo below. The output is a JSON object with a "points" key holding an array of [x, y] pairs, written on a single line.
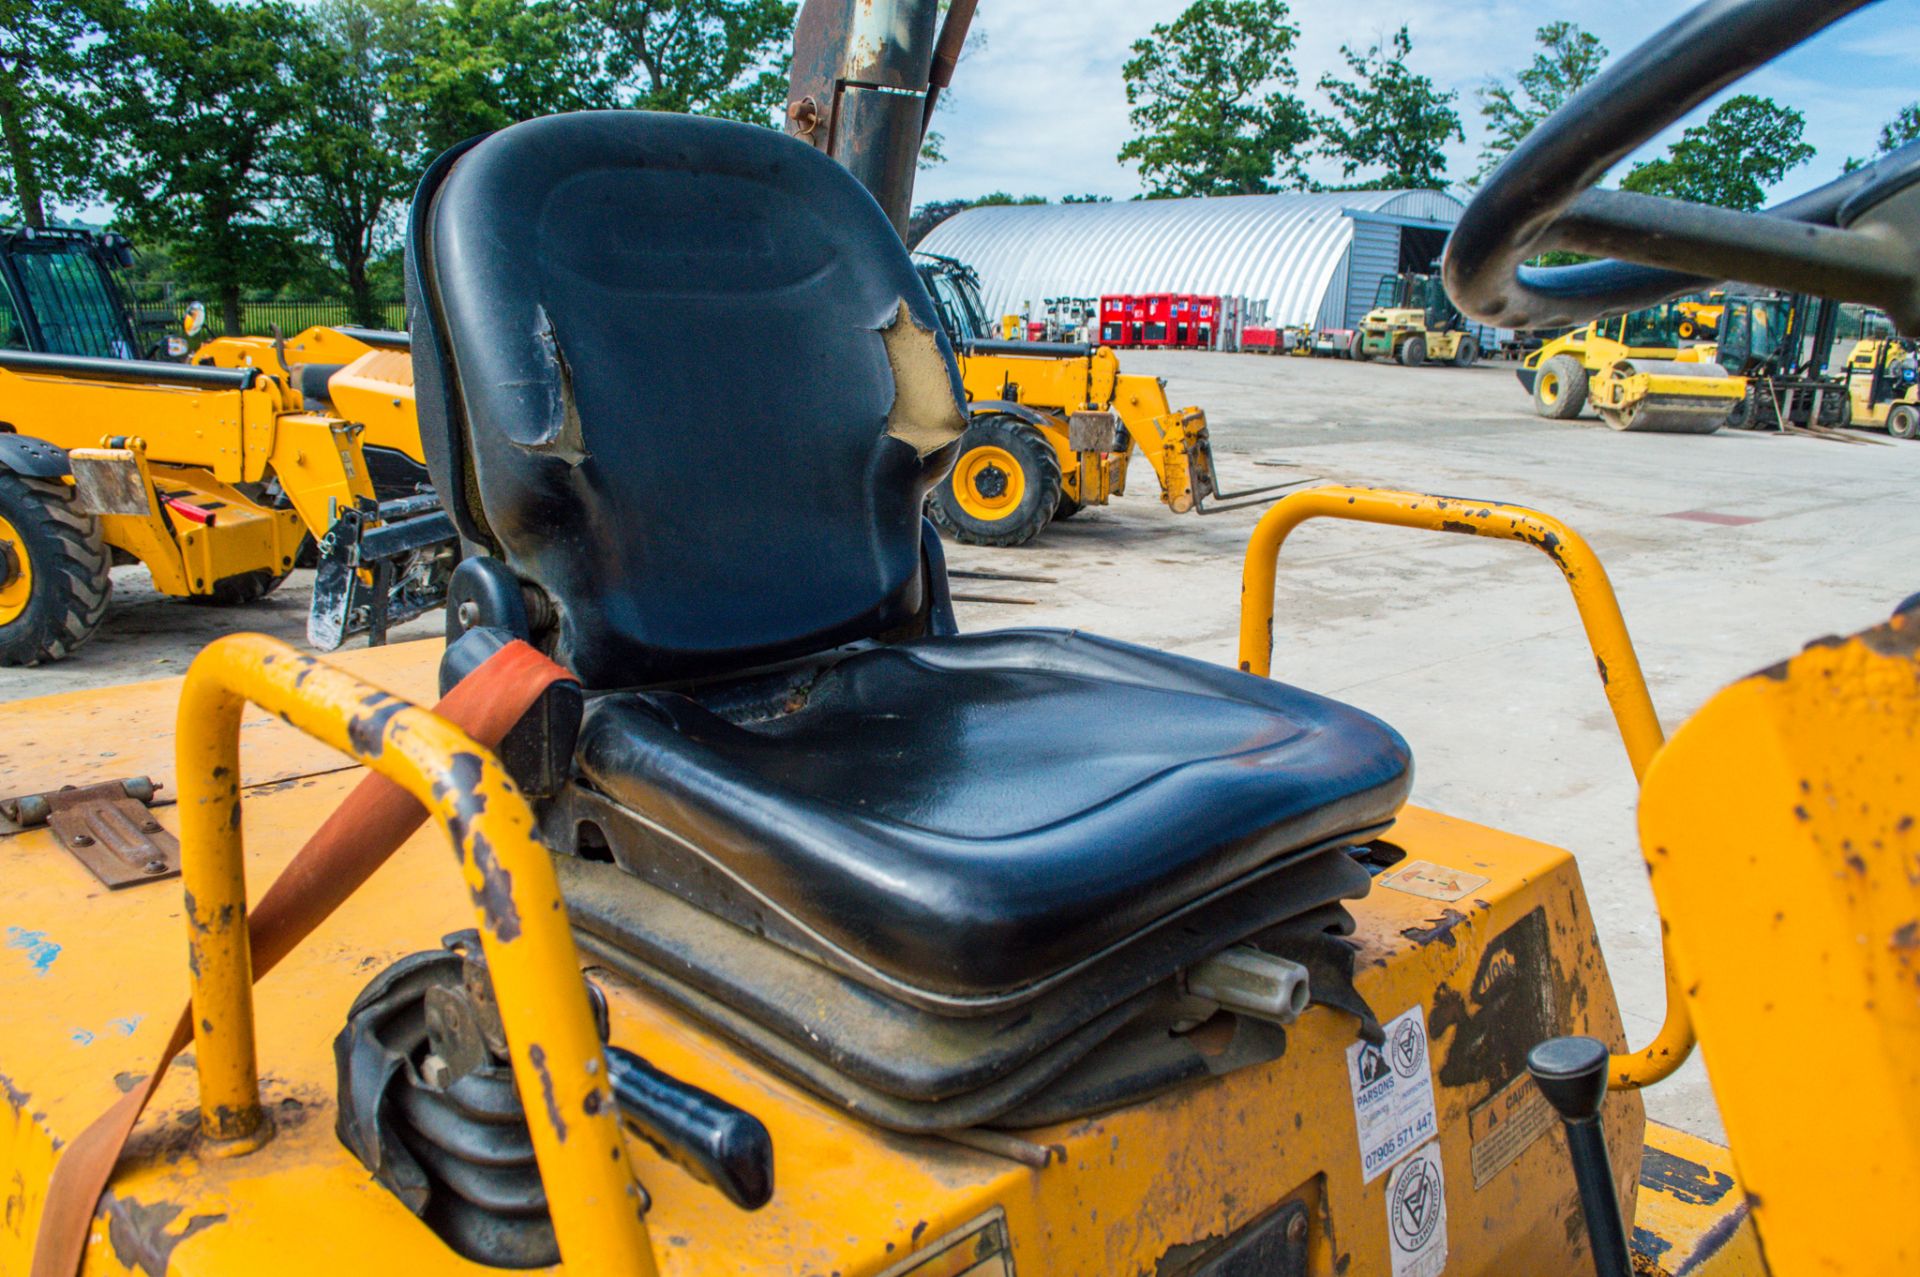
{"points": [[1855, 239]]}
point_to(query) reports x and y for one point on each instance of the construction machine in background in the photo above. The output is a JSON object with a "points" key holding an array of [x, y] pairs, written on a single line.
{"points": [[1883, 385], [1414, 321], [1698, 317], [1053, 428], [1634, 372], [1778, 348], [951, 955], [212, 473]]}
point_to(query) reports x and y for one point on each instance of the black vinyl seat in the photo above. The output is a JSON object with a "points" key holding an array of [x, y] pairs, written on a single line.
{"points": [[972, 815], [679, 378]]}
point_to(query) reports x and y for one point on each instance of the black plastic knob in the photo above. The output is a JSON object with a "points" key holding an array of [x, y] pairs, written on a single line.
{"points": [[1572, 1074]]}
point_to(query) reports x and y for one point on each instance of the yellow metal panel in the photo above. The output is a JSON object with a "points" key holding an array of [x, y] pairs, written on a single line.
{"points": [[1781, 827], [1131, 1186], [320, 466], [1692, 1218], [188, 425], [376, 391]]}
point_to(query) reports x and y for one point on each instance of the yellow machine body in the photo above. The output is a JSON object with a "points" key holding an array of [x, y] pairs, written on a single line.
{"points": [[1385, 331], [1489, 934], [1117, 413], [1699, 316], [1881, 397], [1632, 371]]}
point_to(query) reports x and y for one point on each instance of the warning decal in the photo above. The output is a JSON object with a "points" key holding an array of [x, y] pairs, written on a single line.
{"points": [[1392, 1093], [1417, 1214], [1504, 1125], [1435, 882]]}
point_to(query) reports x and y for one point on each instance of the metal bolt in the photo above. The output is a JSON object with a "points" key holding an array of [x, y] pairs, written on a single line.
{"points": [[83, 840], [469, 614], [434, 1072], [1297, 1229], [155, 866], [151, 826]]}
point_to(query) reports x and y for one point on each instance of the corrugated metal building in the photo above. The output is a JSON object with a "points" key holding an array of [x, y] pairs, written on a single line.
{"points": [[1312, 258]]}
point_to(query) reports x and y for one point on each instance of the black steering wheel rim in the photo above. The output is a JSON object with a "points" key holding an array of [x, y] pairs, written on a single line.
{"points": [[1542, 198]]}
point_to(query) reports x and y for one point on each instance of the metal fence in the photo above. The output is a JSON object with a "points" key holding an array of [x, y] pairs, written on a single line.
{"points": [[259, 319]]}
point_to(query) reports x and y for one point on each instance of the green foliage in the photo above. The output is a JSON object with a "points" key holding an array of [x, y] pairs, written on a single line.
{"points": [[485, 64], [1896, 133], [1388, 118], [1211, 101], [1746, 145], [351, 153], [1568, 58], [48, 145], [191, 93], [704, 57]]}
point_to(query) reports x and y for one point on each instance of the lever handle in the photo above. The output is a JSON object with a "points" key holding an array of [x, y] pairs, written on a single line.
{"points": [[708, 1138], [1572, 1074]]}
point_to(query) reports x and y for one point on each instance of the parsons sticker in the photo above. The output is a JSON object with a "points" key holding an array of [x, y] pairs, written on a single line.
{"points": [[1417, 1214], [1392, 1093]]}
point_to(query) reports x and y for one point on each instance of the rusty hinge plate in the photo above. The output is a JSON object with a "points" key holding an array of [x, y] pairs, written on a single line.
{"points": [[106, 827]]}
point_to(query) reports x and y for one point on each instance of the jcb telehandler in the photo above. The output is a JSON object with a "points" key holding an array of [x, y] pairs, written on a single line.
{"points": [[1413, 320], [211, 473], [1053, 427], [870, 947]]}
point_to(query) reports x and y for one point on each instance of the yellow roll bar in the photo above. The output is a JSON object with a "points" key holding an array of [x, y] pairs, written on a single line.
{"points": [[554, 1047], [1619, 667]]}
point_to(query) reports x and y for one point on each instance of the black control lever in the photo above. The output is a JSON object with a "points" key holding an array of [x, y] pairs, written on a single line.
{"points": [[1572, 1074], [702, 1134]]}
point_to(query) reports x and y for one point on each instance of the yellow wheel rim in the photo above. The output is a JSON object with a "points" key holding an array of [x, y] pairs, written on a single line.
{"points": [[1549, 388], [16, 574], [989, 483]]}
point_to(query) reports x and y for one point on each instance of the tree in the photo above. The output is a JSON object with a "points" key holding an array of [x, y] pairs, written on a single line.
{"points": [[1896, 133], [1388, 118], [705, 57], [490, 63], [1568, 58], [1746, 145], [48, 151], [1210, 101], [196, 92], [352, 153]]}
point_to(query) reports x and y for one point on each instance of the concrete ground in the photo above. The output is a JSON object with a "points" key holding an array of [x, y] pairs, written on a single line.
{"points": [[1470, 648]]}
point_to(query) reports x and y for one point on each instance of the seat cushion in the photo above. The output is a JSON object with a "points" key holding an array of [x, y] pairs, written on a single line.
{"points": [[973, 814]]}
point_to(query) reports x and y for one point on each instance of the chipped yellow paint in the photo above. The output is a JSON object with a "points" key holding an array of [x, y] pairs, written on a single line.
{"points": [[1692, 1219], [553, 1043], [1781, 827], [925, 414], [1134, 1184], [1613, 654]]}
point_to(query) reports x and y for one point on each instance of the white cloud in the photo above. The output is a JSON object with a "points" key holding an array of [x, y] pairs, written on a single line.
{"points": [[1041, 109]]}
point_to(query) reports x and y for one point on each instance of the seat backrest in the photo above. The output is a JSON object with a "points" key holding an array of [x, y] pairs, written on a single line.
{"points": [[680, 374]]}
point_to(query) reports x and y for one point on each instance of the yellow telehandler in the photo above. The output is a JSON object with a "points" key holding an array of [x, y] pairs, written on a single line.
{"points": [[1053, 427], [213, 473], [796, 932]]}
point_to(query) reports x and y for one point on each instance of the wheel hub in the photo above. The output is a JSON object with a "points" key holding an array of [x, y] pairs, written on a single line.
{"points": [[16, 575], [990, 482]]}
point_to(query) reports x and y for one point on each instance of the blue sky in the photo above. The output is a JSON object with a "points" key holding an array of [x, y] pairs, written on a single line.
{"points": [[1041, 109]]}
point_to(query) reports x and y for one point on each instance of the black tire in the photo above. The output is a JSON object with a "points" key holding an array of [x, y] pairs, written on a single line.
{"points": [[1560, 388], [234, 591], [68, 561], [1038, 483], [1067, 508], [1357, 349], [1466, 353], [1903, 421], [1413, 352]]}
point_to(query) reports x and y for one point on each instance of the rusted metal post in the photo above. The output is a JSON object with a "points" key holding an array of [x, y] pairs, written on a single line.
{"points": [[1618, 665], [860, 90], [558, 1065]]}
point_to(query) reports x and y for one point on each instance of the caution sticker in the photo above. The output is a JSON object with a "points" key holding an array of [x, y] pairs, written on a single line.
{"points": [[1392, 1093], [1417, 1214], [1435, 882], [1504, 1125]]}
